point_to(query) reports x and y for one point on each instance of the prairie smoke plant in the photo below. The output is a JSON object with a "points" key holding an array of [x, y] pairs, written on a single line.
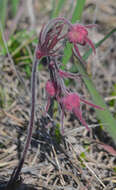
{"points": [[49, 45]]}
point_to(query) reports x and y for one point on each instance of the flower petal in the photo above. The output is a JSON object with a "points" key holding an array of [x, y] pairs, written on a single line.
{"points": [[92, 105], [78, 114], [91, 44]]}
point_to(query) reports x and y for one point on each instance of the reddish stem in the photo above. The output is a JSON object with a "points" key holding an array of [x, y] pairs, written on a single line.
{"points": [[17, 170]]}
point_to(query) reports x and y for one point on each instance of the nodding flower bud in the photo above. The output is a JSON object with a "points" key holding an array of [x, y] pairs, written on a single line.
{"points": [[77, 34], [71, 102], [49, 37], [50, 88]]}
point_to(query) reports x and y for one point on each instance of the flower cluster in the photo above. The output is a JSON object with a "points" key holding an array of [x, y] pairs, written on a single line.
{"points": [[49, 46], [52, 33], [68, 101]]}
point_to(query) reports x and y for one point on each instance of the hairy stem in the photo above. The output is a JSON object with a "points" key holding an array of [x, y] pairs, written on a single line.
{"points": [[17, 170]]}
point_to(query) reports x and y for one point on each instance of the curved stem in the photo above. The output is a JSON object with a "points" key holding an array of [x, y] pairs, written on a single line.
{"points": [[17, 170], [50, 25]]}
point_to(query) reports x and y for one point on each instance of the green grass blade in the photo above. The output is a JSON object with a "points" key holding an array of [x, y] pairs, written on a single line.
{"points": [[76, 16], [104, 116], [67, 54], [3, 11], [57, 8], [14, 6], [78, 11], [1, 43]]}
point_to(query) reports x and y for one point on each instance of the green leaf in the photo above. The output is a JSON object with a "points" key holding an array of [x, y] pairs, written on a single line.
{"points": [[105, 116], [67, 54]]}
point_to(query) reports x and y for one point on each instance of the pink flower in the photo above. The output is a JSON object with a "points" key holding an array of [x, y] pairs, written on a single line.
{"points": [[71, 102], [50, 88], [78, 34]]}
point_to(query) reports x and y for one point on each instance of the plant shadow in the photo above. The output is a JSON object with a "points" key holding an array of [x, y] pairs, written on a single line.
{"points": [[17, 186]]}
